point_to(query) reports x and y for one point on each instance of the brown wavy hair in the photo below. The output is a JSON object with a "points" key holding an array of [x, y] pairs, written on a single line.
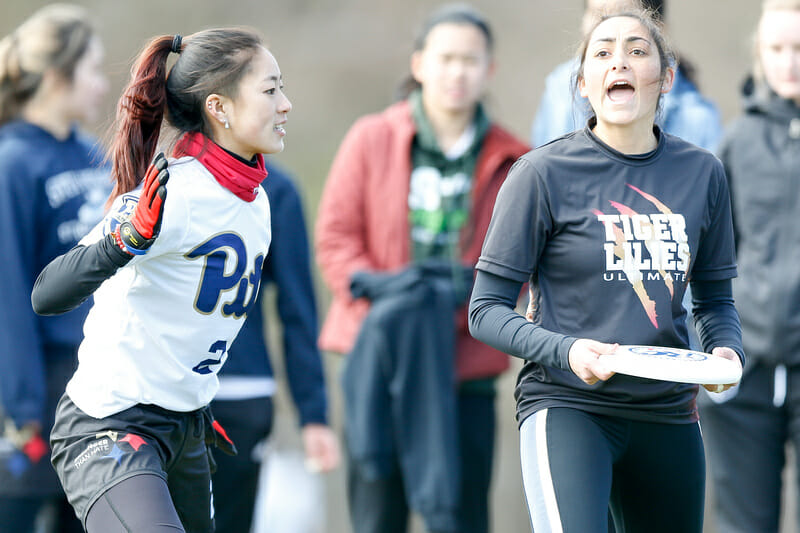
{"points": [[651, 22]]}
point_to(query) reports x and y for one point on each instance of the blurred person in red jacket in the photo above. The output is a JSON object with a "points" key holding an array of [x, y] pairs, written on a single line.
{"points": [[406, 205]]}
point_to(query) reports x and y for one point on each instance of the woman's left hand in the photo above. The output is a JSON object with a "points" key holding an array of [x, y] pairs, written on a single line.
{"points": [[321, 447], [725, 353]]}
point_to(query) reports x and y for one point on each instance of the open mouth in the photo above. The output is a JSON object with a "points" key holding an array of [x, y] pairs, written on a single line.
{"points": [[280, 129], [620, 91]]}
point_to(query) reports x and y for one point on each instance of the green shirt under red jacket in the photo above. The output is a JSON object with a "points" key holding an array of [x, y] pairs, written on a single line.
{"points": [[363, 223]]}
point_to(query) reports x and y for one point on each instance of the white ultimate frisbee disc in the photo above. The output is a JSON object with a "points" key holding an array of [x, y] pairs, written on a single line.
{"points": [[672, 364]]}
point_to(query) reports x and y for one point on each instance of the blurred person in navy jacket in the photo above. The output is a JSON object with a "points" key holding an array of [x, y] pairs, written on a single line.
{"points": [[244, 403], [52, 189]]}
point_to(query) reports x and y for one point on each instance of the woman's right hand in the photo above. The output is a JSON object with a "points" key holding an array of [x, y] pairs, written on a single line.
{"points": [[584, 360], [725, 353]]}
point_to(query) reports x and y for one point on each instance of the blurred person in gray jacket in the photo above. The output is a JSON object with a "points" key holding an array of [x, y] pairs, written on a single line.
{"points": [[748, 427]]}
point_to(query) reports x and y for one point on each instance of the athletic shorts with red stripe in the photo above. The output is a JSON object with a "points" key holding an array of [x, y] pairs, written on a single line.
{"points": [[92, 456]]}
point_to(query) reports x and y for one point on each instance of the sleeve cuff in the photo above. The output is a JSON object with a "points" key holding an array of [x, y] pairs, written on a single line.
{"points": [[563, 352]]}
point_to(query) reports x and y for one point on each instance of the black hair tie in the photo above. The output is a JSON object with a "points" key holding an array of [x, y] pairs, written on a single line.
{"points": [[176, 44]]}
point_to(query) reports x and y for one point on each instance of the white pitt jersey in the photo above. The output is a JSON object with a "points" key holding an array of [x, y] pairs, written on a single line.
{"points": [[160, 328]]}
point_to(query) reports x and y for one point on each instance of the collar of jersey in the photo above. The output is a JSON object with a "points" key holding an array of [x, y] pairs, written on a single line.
{"points": [[629, 159], [231, 172]]}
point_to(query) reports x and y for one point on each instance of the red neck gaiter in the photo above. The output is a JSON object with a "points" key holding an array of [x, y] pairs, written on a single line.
{"points": [[236, 176]]}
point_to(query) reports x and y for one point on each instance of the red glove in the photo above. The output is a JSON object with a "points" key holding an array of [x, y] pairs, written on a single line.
{"points": [[137, 234]]}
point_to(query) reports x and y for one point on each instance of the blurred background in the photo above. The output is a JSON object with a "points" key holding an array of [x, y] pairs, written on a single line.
{"points": [[343, 58]]}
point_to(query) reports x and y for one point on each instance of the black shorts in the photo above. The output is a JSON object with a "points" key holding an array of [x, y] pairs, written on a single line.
{"points": [[91, 455]]}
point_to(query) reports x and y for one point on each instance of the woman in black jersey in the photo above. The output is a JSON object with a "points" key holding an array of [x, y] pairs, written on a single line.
{"points": [[609, 224]]}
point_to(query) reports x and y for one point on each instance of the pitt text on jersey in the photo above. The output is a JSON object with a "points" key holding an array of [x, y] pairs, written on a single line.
{"points": [[226, 260]]}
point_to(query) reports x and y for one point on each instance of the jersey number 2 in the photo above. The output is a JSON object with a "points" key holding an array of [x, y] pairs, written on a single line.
{"points": [[220, 349]]}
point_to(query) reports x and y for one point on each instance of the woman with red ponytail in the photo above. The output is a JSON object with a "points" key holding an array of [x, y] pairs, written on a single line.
{"points": [[173, 279]]}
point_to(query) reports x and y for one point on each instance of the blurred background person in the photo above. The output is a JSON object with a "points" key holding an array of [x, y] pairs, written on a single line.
{"points": [[748, 428], [52, 189], [401, 220], [684, 111], [244, 404]]}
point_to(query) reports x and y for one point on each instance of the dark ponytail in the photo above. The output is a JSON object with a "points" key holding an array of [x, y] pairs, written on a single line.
{"points": [[140, 112], [210, 62]]}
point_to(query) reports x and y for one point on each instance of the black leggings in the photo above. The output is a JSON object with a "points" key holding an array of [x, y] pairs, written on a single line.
{"points": [[575, 465], [120, 508]]}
